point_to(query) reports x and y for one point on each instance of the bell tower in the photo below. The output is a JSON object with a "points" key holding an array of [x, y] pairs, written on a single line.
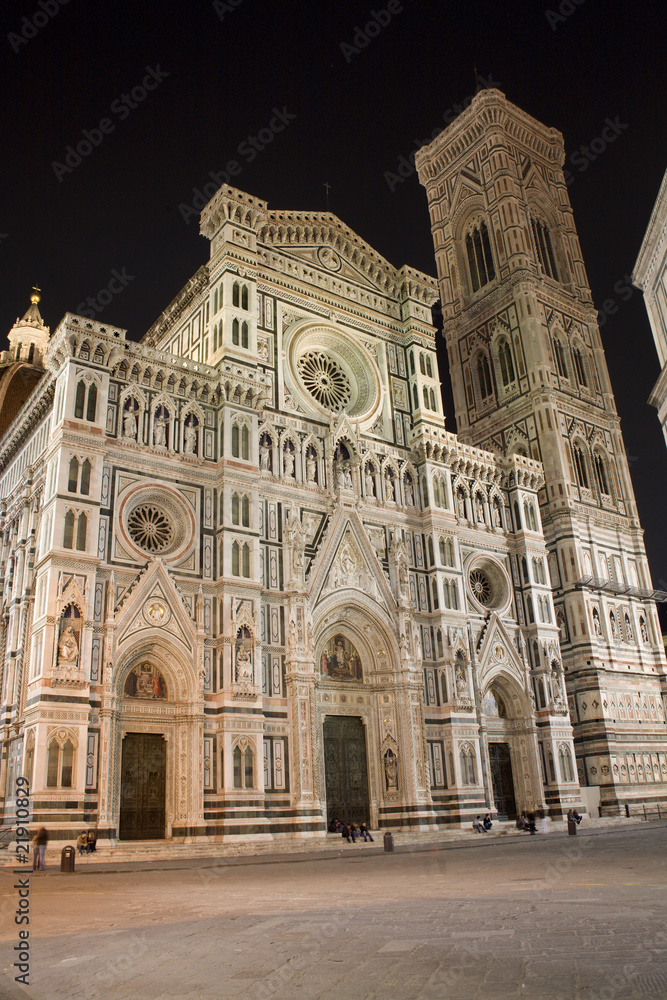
{"points": [[529, 377]]}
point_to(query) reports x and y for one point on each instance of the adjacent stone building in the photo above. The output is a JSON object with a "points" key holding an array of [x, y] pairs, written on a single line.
{"points": [[250, 581], [650, 274]]}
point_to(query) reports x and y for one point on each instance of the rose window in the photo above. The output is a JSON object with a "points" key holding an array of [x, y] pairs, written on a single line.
{"points": [[480, 586], [324, 380], [150, 528]]}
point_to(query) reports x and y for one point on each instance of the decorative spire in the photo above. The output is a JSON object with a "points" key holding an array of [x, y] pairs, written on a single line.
{"points": [[29, 337]]}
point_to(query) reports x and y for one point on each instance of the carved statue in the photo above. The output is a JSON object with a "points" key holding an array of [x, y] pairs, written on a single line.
{"points": [[68, 648], [391, 771], [295, 536], [479, 509], [288, 464], [369, 483], [130, 424], [311, 468], [461, 683], [264, 457], [390, 490], [190, 444], [460, 505], [347, 477], [497, 523], [160, 430], [243, 664]]}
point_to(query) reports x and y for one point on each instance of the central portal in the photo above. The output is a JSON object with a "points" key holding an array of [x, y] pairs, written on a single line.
{"points": [[345, 769], [143, 784], [502, 780]]}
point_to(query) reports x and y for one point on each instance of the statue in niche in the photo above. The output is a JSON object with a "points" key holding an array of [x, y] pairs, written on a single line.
{"points": [[190, 437], [311, 467], [244, 656], [160, 429], [68, 648], [391, 771], [347, 476], [596, 622], [288, 464], [479, 509], [369, 481], [264, 455], [390, 490], [461, 505], [130, 424], [295, 536], [497, 523], [461, 682], [556, 685], [409, 493]]}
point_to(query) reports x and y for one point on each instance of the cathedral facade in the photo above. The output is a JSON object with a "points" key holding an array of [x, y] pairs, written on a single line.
{"points": [[252, 584]]}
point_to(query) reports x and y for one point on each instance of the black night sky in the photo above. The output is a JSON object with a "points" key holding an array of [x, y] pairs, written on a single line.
{"points": [[353, 109]]}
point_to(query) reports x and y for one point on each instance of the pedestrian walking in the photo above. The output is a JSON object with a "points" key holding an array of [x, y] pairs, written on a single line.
{"points": [[39, 842]]}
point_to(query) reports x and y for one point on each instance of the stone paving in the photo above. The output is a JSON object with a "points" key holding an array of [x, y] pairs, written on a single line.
{"points": [[490, 919]]}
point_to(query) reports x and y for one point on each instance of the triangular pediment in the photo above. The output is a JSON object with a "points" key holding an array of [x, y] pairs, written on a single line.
{"points": [[497, 652], [154, 605], [348, 562]]}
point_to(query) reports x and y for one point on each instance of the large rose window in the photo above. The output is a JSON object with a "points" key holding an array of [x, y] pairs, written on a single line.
{"points": [[329, 370], [150, 528]]}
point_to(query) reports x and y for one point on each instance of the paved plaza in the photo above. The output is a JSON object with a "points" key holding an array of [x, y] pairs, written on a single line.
{"points": [[485, 919]]}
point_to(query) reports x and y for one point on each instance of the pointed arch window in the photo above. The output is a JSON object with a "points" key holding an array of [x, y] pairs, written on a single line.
{"points": [[422, 364], [244, 333], [236, 294], [480, 260], [506, 363], [580, 367], [580, 466], [73, 478], [601, 474], [68, 533], [245, 512], [59, 764], [544, 248], [91, 408], [81, 532], [245, 561], [559, 354], [484, 377], [235, 559], [235, 508], [244, 767], [244, 297], [85, 478], [79, 400], [235, 332]]}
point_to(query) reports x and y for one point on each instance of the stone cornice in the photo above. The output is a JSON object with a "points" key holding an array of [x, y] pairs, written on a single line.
{"points": [[489, 111], [176, 307], [653, 241]]}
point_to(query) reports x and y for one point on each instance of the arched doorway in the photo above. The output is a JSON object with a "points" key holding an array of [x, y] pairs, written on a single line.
{"points": [[504, 725], [143, 773], [346, 769], [143, 783]]}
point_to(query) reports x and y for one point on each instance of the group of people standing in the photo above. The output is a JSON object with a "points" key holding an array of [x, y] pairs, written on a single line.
{"points": [[350, 831]]}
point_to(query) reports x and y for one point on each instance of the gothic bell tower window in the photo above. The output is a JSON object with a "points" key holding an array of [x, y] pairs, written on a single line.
{"points": [[544, 248], [480, 260]]}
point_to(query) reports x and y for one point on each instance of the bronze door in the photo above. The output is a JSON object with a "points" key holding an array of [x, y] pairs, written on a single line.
{"points": [[143, 784], [502, 781], [345, 769]]}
